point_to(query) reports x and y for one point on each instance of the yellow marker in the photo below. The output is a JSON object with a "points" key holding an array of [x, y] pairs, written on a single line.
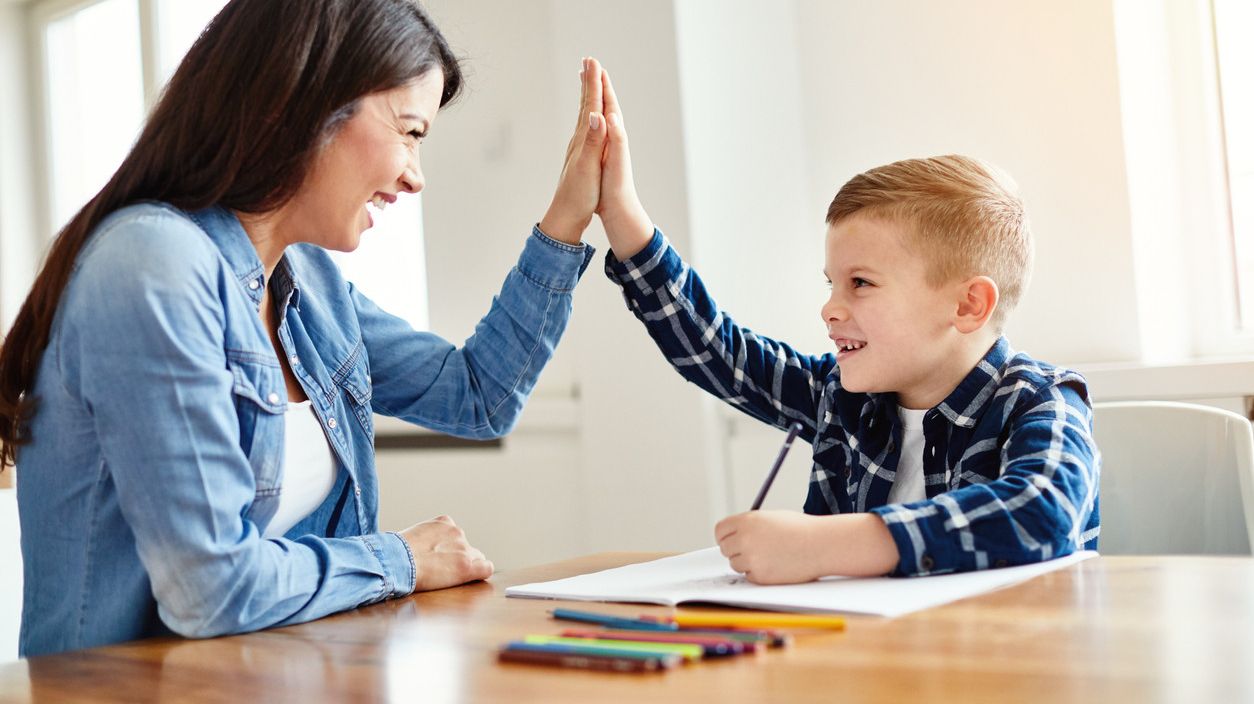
{"points": [[742, 619]]}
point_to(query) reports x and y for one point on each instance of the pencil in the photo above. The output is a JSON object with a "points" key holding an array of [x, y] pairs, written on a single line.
{"points": [[713, 645], [608, 621], [585, 662], [689, 652], [736, 619], [779, 461]]}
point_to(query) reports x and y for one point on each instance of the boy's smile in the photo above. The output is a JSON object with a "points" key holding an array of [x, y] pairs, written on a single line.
{"points": [[893, 331]]}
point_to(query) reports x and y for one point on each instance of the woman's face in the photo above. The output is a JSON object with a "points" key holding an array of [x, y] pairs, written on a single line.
{"points": [[371, 160]]}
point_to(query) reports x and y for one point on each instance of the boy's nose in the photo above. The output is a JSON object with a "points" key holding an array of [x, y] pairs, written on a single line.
{"points": [[833, 312]]}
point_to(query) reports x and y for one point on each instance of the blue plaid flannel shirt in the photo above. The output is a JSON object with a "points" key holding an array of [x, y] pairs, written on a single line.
{"points": [[1011, 470]]}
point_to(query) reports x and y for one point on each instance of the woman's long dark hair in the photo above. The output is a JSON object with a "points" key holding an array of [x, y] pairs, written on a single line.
{"points": [[259, 93]]}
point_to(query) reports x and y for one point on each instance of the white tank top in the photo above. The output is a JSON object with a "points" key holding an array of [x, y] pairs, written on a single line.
{"points": [[908, 486], [308, 469]]}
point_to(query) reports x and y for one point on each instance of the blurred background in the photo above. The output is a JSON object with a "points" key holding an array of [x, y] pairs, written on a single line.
{"points": [[1128, 124]]}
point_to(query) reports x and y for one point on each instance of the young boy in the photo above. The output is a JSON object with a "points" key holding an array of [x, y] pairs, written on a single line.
{"points": [[936, 447]]}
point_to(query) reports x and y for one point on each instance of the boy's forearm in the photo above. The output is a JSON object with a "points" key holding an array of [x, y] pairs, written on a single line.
{"points": [[856, 545], [628, 232]]}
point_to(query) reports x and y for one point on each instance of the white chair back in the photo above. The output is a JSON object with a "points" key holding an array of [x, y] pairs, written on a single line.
{"points": [[1177, 478]]}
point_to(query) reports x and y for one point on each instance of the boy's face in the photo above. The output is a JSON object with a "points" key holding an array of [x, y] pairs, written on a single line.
{"points": [[893, 331]]}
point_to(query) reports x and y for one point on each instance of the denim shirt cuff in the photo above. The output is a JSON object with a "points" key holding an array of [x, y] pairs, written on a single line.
{"points": [[552, 264], [398, 562]]}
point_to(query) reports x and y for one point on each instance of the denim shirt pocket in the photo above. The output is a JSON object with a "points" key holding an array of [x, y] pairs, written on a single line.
{"points": [[260, 403], [354, 378]]}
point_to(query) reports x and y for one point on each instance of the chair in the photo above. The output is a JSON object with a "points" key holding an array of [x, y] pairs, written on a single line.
{"points": [[1176, 478]]}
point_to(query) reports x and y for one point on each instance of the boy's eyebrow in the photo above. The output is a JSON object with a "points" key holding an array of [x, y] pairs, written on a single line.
{"points": [[855, 269]]}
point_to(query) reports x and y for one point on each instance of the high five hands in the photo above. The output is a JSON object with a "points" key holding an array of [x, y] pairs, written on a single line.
{"points": [[596, 176]]}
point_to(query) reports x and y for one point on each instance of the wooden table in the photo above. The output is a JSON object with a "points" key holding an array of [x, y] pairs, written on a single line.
{"points": [[1123, 629]]}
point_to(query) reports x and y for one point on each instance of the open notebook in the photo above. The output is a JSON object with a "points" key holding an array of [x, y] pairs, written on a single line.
{"points": [[704, 576]]}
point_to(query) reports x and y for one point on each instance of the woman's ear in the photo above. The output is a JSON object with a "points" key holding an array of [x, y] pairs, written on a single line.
{"points": [[977, 299]]}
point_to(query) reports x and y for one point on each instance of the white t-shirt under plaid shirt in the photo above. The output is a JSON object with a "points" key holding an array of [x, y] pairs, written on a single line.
{"points": [[1010, 470]]}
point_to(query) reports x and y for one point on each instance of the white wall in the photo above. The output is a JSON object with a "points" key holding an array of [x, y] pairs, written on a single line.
{"points": [[1031, 86], [633, 470], [745, 118]]}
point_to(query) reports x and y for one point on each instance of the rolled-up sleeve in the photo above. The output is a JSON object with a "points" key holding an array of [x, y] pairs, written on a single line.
{"points": [[1036, 510]]}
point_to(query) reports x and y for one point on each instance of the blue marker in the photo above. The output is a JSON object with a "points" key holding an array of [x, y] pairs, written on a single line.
{"points": [[634, 624]]}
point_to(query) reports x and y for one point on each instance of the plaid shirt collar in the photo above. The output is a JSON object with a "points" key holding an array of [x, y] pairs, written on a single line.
{"points": [[963, 405]]}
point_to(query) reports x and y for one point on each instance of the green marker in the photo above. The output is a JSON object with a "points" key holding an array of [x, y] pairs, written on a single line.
{"points": [[689, 652]]}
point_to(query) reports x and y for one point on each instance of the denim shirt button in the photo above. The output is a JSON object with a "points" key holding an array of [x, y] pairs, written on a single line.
{"points": [[294, 360], [254, 284], [357, 491], [331, 423], [273, 398]]}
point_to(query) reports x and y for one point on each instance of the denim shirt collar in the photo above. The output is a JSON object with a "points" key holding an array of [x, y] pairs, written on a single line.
{"points": [[226, 231], [962, 406]]}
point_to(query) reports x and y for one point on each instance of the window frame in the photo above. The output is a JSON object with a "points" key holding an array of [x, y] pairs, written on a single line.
{"points": [[42, 13]]}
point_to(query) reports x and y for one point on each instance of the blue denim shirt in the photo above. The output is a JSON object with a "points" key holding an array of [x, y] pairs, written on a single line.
{"points": [[156, 460]]}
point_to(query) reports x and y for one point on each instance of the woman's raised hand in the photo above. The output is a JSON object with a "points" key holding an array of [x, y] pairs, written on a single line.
{"points": [[579, 186], [627, 225]]}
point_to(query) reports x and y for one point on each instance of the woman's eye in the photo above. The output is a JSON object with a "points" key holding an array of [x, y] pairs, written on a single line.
{"points": [[859, 283], [416, 135]]}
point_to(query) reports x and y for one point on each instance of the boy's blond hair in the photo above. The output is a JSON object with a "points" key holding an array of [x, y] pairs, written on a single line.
{"points": [[963, 215]]}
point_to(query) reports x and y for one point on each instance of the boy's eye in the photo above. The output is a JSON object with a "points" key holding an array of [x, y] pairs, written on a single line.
{"points": [[859, 283]]}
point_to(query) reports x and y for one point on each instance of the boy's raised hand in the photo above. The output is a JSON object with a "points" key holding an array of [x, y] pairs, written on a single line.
{"points": [[786, 547], [579, 186], [627, 225]]}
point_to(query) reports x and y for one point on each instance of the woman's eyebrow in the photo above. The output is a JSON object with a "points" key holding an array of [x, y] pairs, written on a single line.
{"points": [[416, 118]]}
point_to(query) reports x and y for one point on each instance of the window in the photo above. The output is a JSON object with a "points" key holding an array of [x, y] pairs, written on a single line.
{"points": [[1234, 56], [102, 64], [1194, 265], [95, 100]]}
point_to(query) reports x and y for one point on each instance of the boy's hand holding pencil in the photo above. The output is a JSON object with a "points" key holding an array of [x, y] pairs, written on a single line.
{"points": [[786, 547]]}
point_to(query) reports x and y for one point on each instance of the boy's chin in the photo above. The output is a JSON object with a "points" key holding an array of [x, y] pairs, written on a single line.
{"points": [[855, 385]]}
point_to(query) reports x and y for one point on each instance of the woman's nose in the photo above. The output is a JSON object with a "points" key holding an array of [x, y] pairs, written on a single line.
{"points": [[412, 180]]}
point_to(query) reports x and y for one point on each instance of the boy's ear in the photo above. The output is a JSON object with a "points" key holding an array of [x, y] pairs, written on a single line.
{"points": [[977, 299]]}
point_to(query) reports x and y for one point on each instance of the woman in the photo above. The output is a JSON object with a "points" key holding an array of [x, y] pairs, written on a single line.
{"points": [[190, 384]]}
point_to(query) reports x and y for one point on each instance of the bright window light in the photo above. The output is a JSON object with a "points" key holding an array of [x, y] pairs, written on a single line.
{"points": [[95, 98], [390, 265], [1234, 24], [179, 23]]}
